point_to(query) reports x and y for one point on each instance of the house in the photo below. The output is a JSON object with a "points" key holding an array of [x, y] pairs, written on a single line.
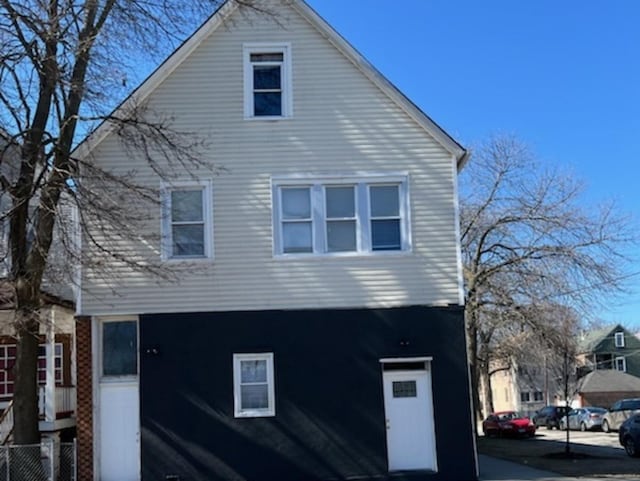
{"points": [[56, 360], [525, 388], [610, 347], [316, 330], [603, 387]]}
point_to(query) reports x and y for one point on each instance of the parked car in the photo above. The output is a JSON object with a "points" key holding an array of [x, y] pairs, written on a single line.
{"points": [[584, 419], [550, 416], [619, 413], [629, 435], [508, 423]]}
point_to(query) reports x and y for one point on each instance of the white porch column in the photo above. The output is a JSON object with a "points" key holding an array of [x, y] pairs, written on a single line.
{"points": [[50, 386]]}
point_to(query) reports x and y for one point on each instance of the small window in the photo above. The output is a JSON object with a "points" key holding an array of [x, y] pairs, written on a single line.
{"points": [[254, 391], [404, 389], [621, 364], [187, 223], [267, 80], [619, 339], [525, 397], [537, 396], [120, 348]]}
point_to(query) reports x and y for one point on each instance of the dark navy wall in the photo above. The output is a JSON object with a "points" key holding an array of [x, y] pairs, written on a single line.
{"points": [[329, 422]]}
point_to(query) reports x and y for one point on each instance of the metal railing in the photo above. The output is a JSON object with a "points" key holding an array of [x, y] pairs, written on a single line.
{"points": [[48, 461]]}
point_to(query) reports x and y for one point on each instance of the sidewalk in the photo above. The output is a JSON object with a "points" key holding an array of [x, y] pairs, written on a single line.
{"points": [[494, 469]]}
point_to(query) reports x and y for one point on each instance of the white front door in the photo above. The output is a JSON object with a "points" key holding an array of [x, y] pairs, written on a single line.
{"points": [[409, 418], [119, 432], [119, 401]]}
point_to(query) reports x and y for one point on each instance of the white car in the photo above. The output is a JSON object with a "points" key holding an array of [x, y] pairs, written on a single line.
{"points": [[619, 413]]}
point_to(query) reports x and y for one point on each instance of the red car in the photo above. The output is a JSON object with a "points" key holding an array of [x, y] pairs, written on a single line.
{"points": [[508, 423]]}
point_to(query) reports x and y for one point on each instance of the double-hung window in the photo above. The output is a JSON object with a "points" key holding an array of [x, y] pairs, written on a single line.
{"points": [[253, 385], [267, 80], [621, 364], [619, 339], [341, 215], [187, 221]]}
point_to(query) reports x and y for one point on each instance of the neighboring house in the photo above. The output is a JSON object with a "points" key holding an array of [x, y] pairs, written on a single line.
{"points": [[612, 347], [56, 367], [525, 388], [320, 334], [56, 361], [606, 386]]}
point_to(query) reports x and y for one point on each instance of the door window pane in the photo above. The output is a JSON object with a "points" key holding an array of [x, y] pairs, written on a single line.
{"points": [[119, 348], [404, 389]]}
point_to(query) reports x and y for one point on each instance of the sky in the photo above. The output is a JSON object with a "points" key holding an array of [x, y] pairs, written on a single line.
{"points": [[562, 76]]}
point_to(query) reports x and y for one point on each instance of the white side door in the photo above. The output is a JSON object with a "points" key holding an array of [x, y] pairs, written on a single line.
{"points": [[119, 432], [409, 419], [118, 411]]}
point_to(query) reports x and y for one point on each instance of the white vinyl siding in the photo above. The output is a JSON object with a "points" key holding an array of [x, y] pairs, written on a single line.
{"points": [[344, 125]]}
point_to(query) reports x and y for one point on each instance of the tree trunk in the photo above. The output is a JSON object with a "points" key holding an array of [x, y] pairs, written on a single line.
{"points": [[472, 346], [25, 407]]}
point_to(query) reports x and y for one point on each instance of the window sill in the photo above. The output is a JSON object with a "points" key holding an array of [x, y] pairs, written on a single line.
{"points": [[255, 414], [188, 260], [269, 118], [344, 255]]}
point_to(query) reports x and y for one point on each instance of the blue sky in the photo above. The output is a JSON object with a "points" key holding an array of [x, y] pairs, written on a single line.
{"points": [[563, 76]]}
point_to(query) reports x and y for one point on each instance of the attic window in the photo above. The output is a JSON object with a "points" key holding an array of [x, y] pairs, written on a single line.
{"points": [[619, 339], [267, 81]]}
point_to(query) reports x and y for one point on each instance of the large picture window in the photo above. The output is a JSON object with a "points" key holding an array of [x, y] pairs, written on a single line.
{"points": [[340, 216], [267, 80], [187, 222], [254, 390]]}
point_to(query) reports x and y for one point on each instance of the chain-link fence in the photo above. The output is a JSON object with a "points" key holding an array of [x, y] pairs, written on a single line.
{"points": [[49, 461]]}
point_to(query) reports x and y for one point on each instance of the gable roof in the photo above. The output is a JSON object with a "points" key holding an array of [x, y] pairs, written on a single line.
{"points": [[217, 19], [592, 339], [608, 380]]}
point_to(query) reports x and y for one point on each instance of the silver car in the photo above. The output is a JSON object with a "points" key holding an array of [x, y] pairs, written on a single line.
{"points": [[619, 413], [584, 419]]}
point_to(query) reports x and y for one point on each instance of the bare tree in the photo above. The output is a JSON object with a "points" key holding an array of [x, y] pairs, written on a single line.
{"points": [[529, 241], [63, 67]]}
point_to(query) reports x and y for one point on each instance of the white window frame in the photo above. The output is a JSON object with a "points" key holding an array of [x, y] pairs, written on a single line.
{"points": [[619, 339], [207, 214], [362, 184], [285, 78], [623, 363], [270, 410]]}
